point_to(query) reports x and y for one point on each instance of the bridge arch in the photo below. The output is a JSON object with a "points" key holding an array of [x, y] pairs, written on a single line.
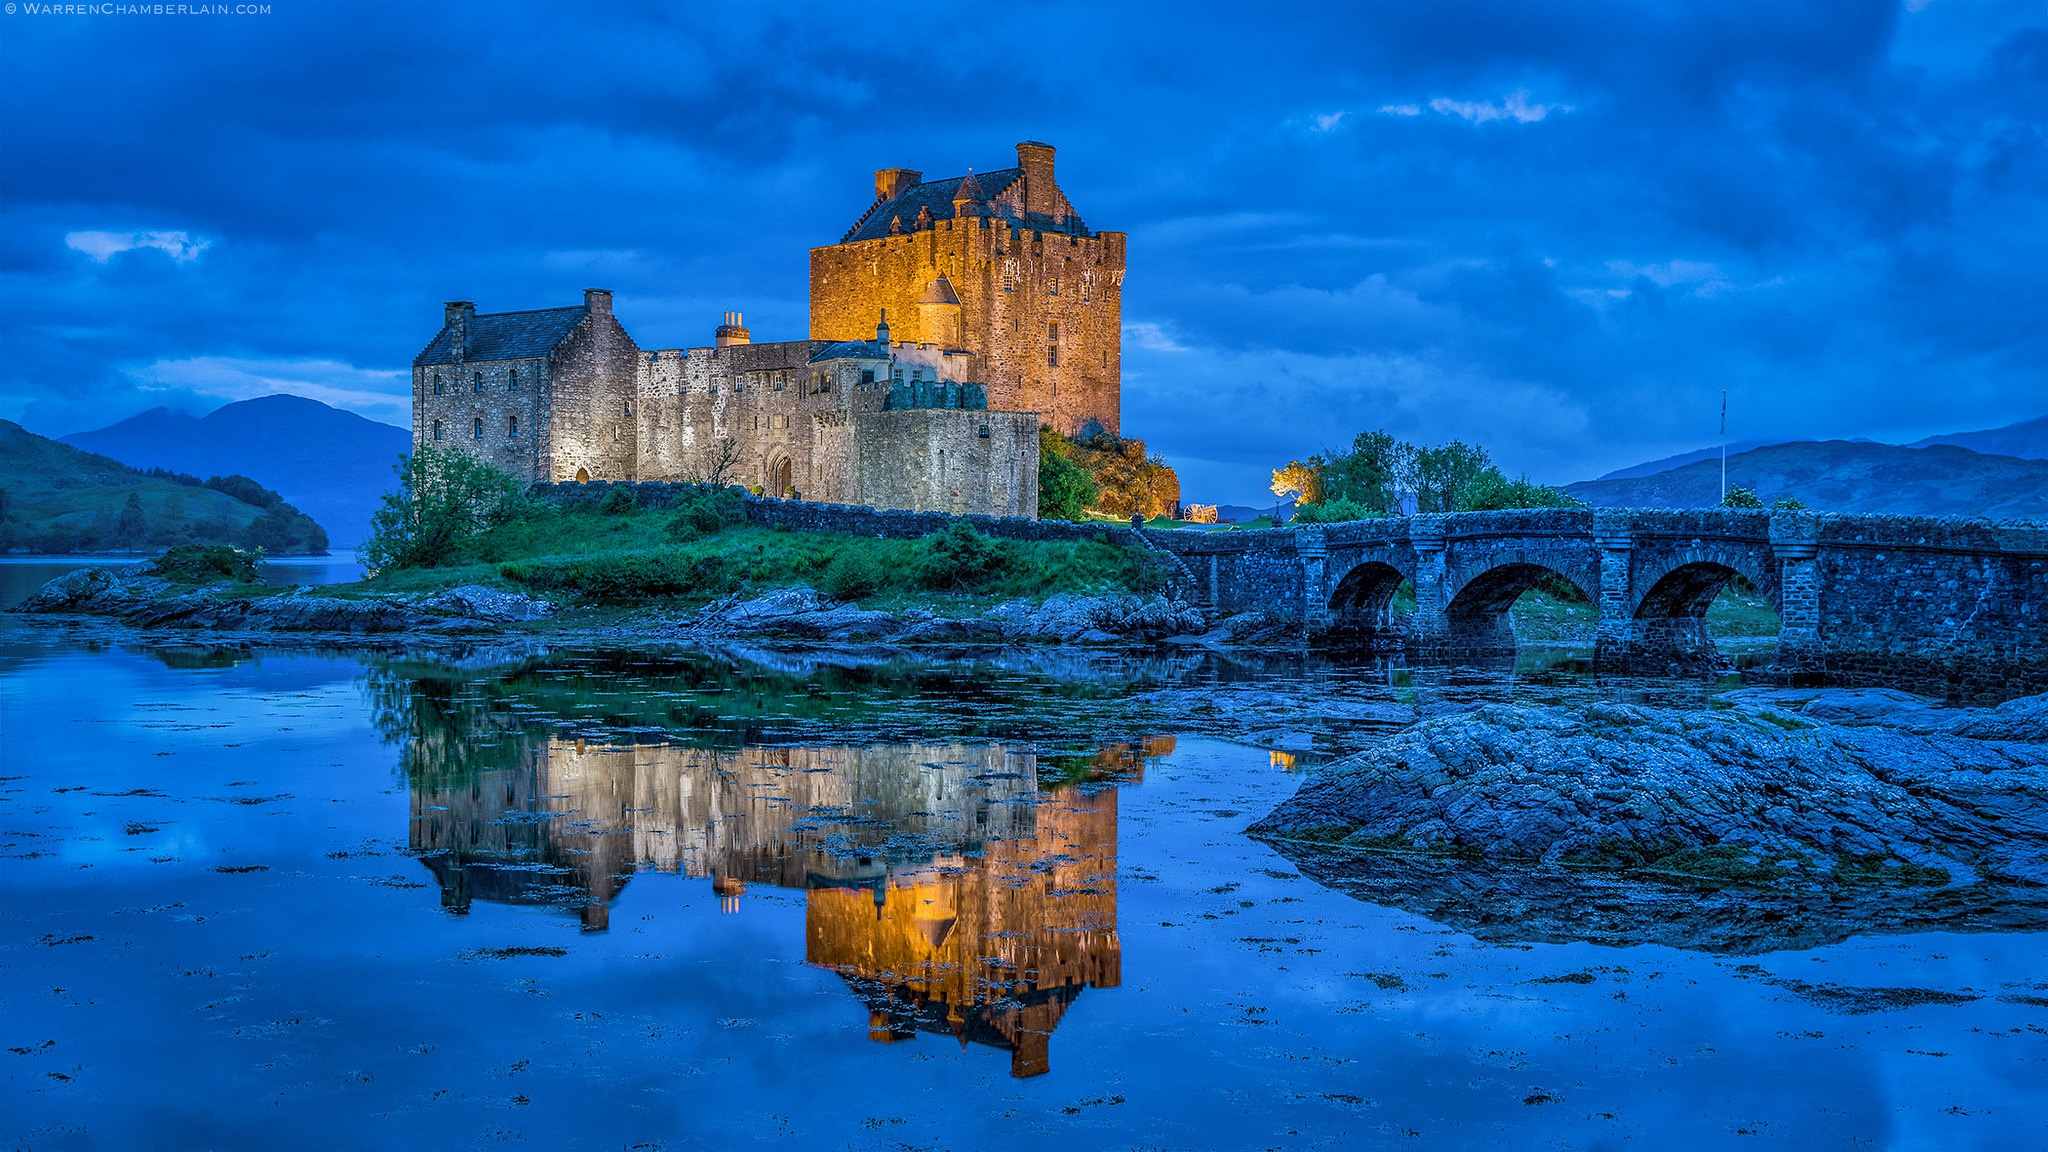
{"points": [[1476, 616], [1670, 617], [1362, 602]]}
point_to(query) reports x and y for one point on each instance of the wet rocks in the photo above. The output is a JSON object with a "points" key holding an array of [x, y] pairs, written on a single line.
{"points": [[1737, 795], [135, 597], [803, 614]]}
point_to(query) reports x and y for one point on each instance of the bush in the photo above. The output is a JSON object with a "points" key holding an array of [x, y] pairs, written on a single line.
{"points": [[961, 558], [1491, 491], [1742, 498], [205, 564], [618, 502], [704, 510], [1065, 490], [619, 576], [853, 574], [1334, 512], [1788, 504], [444, 500]]}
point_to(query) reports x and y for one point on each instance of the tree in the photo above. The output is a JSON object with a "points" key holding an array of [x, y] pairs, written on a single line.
{"points": [[1065, 490], [1742, 498], [1437, 474], [1303, 479], [444, 499], [721, 463], [1491, 491], [244, 489], [1370, 473], [132, 525]]}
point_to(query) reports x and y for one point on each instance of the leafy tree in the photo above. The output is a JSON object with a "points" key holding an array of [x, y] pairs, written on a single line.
{"points": [[283, 528], [1371, 473], [244, 489], [1065, 490], [1742, 498], [1437, 474], [1491, 491], [1302, 479], [444, 499], [133, 524]]}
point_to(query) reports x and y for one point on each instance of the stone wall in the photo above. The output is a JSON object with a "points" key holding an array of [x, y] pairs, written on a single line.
{"points": [[492, 410], [590, 424], [939, 460]]}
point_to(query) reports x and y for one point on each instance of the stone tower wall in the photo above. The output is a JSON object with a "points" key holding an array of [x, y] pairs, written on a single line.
{"points": [[1015, 285], [591, 375]]}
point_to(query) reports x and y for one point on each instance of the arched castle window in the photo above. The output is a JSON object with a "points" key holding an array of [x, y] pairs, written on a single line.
{"points": [[437, 429], [479, 427], [628, 407]]}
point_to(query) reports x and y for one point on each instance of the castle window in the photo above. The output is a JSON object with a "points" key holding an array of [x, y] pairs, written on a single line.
{"points": [[437, 383], [778, 381], [512, 381], [1052, 355], [479, 427], [1009, 282], [628, 406], [896, 375], [437, 429], [1052, 286], [1052, 330], [867, 377], [479, 381], [511, 425]]}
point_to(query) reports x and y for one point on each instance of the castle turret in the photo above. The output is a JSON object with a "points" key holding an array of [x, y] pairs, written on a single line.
{"points": [[731, 332], [938, 313]]}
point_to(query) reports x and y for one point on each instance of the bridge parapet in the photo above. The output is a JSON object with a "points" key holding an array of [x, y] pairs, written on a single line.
{"points": [[1860, 598]]}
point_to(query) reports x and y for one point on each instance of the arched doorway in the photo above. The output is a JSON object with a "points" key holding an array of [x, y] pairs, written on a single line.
{"points": [[1477, 620], [583, 475], [1362, 605], [779, 477]]}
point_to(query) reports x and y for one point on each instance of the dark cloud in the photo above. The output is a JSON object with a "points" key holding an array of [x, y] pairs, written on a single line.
{"points": [[1597, 218]]}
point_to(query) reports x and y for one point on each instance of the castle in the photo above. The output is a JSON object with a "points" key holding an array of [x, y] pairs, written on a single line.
{"points": [[953, 319]]}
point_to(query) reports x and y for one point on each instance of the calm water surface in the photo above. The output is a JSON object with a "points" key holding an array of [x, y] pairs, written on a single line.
{"points": [[261, 899]]}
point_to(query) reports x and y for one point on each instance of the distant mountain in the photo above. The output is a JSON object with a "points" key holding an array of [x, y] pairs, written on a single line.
{"points": [[1240, 513], [2027, 439], [1652, 467], [332, 464], [56, 498], [1846, 476]]}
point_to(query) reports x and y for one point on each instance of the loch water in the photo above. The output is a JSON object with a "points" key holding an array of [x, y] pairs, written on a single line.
{"points": [[522, 897]]}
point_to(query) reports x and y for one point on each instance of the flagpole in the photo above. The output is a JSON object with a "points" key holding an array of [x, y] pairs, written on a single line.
{"points": [[1724, 445]]}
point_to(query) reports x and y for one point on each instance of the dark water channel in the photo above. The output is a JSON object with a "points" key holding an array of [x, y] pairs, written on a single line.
{"points": [[683, 900]]}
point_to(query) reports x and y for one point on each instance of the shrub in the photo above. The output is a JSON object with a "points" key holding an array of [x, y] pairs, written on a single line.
{"points": [[1489, 490], [1065, 490], [1788, 504], [1742, 498], [205, 564], [704, 510], [616, 576], [853, 574], [961, 558], [1334, 511], [444, 500], [618, 502]]}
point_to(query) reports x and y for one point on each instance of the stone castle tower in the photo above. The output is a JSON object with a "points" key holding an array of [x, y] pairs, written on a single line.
{"points": [[997, 265]]}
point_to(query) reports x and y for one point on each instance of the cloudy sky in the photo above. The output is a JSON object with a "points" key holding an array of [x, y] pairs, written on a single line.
{"points": [[1558, 231]]}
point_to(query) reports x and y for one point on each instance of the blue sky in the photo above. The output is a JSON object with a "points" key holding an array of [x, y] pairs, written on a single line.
{"points": [[1556, 230]]}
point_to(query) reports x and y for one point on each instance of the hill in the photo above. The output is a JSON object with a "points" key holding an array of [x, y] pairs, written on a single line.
{"points": [[1846, 476], [2027, 439], [332, 464], [60, 499]]}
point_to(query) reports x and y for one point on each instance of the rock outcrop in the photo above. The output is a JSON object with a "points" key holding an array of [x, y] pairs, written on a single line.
{"points": [[134, 596], [1559, 823]]}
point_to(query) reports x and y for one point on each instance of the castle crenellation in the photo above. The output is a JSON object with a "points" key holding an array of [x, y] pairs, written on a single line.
{"points": [[949, 322]]}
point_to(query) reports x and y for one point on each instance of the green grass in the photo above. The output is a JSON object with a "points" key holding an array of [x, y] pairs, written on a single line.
{"points": [[1735, 615], [60, 498], [634, 556]]}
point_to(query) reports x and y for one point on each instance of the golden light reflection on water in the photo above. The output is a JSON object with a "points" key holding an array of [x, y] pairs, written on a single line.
{"points": [[951, 893]]}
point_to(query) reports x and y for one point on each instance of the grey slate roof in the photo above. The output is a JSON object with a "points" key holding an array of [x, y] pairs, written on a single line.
{"points": [[849, 350], [936, 197], [505, 336]]}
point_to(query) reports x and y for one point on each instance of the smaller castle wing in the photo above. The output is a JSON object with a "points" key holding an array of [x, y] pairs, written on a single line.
{"points": [[505, 336]]}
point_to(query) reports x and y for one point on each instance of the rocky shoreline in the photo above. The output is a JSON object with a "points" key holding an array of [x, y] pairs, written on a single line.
{"points": [[1808, 816]]}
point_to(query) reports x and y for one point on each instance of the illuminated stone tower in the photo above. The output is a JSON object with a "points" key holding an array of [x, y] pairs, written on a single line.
{"points": [[997, 264]]}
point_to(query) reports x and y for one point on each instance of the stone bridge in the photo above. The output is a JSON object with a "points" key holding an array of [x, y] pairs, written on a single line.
{"points": [[1859, 598]]}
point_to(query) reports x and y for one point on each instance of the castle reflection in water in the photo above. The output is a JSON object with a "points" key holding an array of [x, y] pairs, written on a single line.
{"points": [[948, 890]]}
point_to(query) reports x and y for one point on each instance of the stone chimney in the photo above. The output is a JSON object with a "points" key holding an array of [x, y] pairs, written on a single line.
{"points": [[598, 300], [731, 332], [882, 329], [1040, 193], [890, 181], [458, 313]]}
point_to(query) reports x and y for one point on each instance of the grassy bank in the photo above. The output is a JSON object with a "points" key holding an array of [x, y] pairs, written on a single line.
{"points": [[697, 554]]}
